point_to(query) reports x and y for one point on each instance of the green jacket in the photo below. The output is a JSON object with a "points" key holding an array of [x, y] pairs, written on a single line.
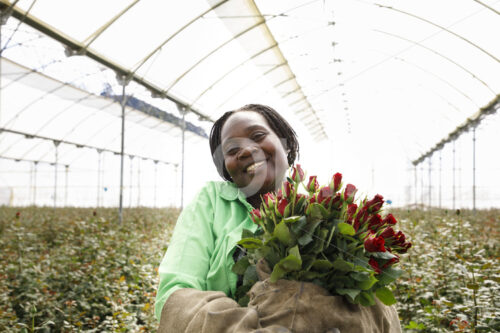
{"points": [[200, 252]]}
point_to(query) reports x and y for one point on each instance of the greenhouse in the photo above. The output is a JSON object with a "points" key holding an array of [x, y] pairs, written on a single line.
{"points": [[106, 115]]}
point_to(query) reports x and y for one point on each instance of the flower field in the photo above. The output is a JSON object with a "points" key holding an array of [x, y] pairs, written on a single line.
{"points": [[66, 270], [69, 269]]}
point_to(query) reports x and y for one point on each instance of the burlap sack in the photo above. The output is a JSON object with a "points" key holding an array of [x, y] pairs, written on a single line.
{"points": [[193, 311], [307, 308]]}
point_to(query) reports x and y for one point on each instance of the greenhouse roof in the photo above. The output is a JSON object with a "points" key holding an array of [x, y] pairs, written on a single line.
{"points": [[383, 79]]}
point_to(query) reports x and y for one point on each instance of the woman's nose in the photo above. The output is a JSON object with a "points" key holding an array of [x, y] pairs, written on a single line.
{"points": [[247, 151]]}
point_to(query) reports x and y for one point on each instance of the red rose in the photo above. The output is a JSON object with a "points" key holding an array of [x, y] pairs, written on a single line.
{"points": [[298, 174], [312, 185], [349, 192], [360, 218], [375, 265], [374, 244], [18, 214], [391, 261], [282, 205], [389, 219], [279, 195], [375, 222], [375, 204], [325, 195], [387, 233], [269, 199], [351, 210], [255, 215], [288, 188], [399, 238], [337, 180]]}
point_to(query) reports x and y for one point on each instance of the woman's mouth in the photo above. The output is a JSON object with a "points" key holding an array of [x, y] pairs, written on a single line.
{"points": [[252, 167]]}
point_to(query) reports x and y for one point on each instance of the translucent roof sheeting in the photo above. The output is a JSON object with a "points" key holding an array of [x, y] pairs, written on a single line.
{"points": [[369, 86]]}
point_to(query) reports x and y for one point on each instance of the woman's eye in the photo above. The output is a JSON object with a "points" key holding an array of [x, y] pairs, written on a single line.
{"points": [[258, 136], [232, 151]]}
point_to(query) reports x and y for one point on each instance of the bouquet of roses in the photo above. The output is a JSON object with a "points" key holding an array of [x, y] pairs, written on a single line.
{"points": [[326, 237]]}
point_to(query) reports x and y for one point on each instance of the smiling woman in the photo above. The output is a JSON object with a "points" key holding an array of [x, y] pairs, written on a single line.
{"points": [[253, 155], [252, 148]]}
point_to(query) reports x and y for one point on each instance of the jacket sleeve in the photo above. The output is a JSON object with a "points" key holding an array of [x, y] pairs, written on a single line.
{"points": [[187, 260]]}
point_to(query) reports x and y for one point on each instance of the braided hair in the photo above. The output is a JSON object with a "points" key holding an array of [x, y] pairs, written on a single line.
{"points": [[278, 124]]}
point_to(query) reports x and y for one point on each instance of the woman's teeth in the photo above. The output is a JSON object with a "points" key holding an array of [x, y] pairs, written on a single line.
{"points": [[254, 166]]}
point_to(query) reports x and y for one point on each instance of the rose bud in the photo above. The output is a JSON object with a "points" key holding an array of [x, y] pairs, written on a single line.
{"points": [[298, 174], [391, 262], [375, 222], [269, 199], [325, 195], [18, 215], [351, 210], [376, 203], [336, 182], [312, 185], [349, 192], [387, 233], [389, 219], [255, 215], [374, 244], [375, 265], [281, 206]]}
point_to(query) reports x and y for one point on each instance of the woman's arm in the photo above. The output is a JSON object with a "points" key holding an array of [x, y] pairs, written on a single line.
{"points": [[186, 262]]}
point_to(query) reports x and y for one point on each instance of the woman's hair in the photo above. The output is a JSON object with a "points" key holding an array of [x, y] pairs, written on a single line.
{"points": [[279, 125]]}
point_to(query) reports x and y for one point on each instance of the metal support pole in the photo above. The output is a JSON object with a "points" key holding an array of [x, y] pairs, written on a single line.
{"points": [[454, 174], [99, 180], [138, 182], [422, 185], [123, 81], [415, 172], [66, 185], [183, 111], [440, 173], [130, 184], [34, 181], [430, 181], [155, 181], [56, 144], [474, 169]]}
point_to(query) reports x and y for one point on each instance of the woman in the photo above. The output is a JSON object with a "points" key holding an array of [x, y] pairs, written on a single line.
{"points": [[252, 148]]}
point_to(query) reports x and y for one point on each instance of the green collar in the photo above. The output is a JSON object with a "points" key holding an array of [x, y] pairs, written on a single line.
{"points": [[230, 192]]}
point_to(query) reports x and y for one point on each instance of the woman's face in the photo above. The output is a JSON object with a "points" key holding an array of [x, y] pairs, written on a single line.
{"points": [[254, 156]]}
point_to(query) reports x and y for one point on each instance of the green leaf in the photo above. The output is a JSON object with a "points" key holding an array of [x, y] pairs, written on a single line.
{"points": [[246, 233], [389, 275], [285, 265], [322, 265], [385, 295], [346, 229], [281, 231], [299, 225], [295, 252], [366, 298], [250, 243], [292, 219], [351, 293], [307, 237], [241, 266], [382, 255], [278, 273], [250, 276], [367, 284], [342, 265], [360, 276], [414, 326]]}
